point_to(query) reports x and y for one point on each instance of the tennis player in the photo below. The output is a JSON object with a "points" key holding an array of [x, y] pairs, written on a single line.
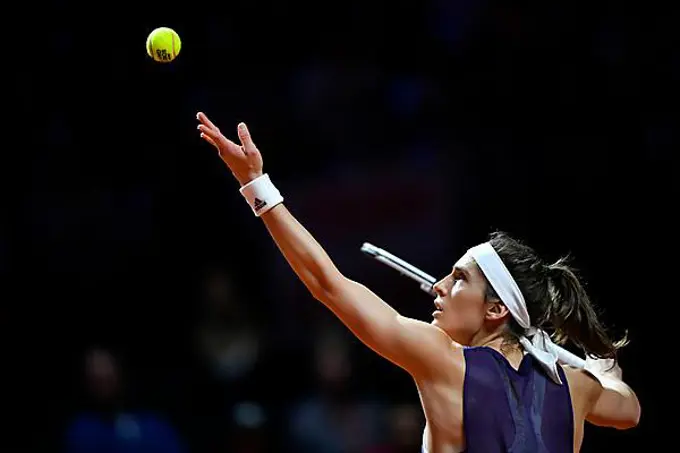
{"points": [[486, 370]]}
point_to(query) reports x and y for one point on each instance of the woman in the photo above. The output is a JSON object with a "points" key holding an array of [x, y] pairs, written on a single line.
{"points": [[486, 372]]}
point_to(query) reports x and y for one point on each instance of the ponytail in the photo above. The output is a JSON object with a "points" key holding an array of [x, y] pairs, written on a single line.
{"points": [[556, 300], [573, 315]]}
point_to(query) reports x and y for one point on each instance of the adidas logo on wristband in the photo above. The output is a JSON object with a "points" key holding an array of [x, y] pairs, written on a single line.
{"points": [[259, 204], [261, 194]]}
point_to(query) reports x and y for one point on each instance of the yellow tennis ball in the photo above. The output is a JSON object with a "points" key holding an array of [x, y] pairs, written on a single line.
{"points": [[163, 44]]}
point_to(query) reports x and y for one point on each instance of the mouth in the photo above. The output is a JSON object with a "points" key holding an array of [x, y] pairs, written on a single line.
{"points": [[439, 308]]}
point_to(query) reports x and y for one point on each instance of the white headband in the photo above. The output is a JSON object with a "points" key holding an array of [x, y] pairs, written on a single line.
{"points": [[502, 282], [500, 279]]}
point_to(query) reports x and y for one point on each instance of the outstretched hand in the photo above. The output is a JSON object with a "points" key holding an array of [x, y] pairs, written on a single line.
{"points": [[244, 161]]}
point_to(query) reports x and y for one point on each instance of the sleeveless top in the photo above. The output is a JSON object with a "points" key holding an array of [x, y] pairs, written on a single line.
{"points": [[514, 411]]}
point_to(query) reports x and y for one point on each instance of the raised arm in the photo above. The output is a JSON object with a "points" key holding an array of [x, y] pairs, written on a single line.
{"points": [[413, 345], [410, 344]]}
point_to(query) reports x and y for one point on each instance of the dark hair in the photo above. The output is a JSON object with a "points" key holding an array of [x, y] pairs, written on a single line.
{"points": [[556, 300]]}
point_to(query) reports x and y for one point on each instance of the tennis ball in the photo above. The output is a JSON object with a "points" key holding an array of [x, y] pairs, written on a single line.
{"points": [[163, 44]]}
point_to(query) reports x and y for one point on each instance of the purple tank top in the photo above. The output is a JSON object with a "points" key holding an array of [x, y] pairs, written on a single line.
{"points": [[514, 411]]}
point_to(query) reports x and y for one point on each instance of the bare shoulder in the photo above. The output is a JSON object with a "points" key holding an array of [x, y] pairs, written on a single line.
{"points": [[581, 382], [583, 387], [441, 357], [580, 379]]}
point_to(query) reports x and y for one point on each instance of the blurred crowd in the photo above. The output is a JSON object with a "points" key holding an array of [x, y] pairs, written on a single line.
{"points": [[243, 400]]}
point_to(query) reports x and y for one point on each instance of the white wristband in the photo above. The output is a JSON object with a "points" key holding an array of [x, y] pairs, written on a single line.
{"points": [[261, 194]]}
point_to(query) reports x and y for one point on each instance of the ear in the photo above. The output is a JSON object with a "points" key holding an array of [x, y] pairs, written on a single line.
{"points": [[496, 310]]}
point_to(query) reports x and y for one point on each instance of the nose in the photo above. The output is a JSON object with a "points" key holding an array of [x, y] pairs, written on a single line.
{"points": [[438, 288]]}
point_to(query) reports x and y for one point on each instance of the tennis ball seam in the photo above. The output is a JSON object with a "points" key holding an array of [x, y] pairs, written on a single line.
{"points": [[172, 38], [161, 33]]}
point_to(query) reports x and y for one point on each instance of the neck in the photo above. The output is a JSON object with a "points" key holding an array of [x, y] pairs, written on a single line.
{"points": [[495, 340]]}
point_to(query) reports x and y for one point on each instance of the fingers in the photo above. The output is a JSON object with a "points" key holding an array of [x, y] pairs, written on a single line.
{"points": [[246, 139], [210, 140], [215, 138], [211, 134], [200, 116], [208, 131]]}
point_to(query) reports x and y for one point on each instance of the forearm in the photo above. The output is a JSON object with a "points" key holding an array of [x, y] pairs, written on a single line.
{"points": [[364, 314], [308, 259]]}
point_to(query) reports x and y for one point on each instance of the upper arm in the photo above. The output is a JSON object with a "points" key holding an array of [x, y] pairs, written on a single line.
{"points": [[413, 345], [612, 404]]}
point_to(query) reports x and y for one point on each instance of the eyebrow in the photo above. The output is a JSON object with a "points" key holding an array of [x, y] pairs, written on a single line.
{"points": [[461, 270]]}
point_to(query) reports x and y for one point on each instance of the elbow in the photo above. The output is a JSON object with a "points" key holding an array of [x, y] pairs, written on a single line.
{"points": [[327, 288], [322, 281]]}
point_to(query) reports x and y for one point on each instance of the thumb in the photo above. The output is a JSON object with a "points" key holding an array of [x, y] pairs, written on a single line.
{"points": [[246, 139]]}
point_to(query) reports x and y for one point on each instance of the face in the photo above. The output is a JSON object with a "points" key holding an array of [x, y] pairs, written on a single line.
{"points": [[461, 305]]}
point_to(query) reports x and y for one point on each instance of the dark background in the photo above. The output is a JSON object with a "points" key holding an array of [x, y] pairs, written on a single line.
{"points": [[417, 127]]}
